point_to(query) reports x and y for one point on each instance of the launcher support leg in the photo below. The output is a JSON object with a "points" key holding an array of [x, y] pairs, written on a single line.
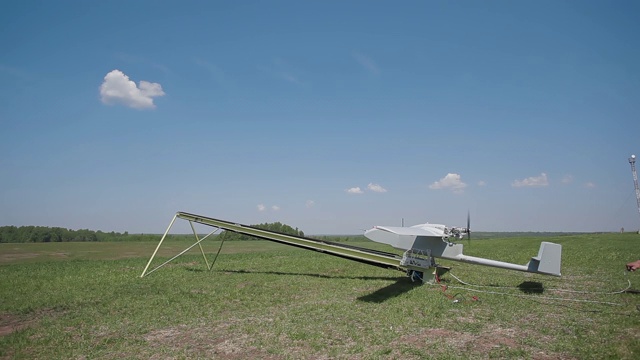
{"points": [[198, 241], [200, 245], [158, 247]]}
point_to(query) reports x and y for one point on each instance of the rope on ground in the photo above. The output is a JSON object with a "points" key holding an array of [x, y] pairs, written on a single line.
{"points": [[550, 289], [531, 297]]}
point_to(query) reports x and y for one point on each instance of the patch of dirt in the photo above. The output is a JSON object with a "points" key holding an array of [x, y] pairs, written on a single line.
{"points": [[14, 257], [475, 345], [208, 342], [10, 323]]}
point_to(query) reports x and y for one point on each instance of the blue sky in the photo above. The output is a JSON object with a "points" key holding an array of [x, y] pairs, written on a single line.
{"points": [[329, 116]]}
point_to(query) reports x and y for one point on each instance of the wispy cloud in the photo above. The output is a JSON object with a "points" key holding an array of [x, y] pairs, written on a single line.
{"points": [[376, 188], [567, 179], [134, 59], [366, 62], [590, 185], [290, 78], [262, 207], [482, 183], [163, 68], [310, 203], [282, 70], [451, 182], [212, 69], [118, 89], [533, 181]]}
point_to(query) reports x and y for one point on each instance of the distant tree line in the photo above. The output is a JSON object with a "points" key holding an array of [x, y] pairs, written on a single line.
{"points": [[276, 226], [341, 238], [37, 234], [41, 234]]}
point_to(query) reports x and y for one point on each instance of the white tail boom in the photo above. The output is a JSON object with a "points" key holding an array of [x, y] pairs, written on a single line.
{"points": [[434, 241]]}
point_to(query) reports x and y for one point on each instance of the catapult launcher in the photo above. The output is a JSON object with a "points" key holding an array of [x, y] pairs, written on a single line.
{"points": [[421, 245]]}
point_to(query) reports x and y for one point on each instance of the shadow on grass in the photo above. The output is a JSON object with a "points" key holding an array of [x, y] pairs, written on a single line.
{"points": [[531, 287], [300, 274], [401, 286]]}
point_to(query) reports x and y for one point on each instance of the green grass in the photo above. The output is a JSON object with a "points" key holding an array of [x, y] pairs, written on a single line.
{"points": [[270, 301]]}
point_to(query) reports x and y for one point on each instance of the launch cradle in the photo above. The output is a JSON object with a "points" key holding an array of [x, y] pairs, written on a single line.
{"points": [[421, 245]]}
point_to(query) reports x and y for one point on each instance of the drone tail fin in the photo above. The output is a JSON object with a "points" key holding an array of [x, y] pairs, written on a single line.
{"points": [[548, 259]]}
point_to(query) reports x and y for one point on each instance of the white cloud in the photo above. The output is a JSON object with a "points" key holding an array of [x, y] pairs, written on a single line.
{"points": [[451, 182], [262, 207], [589, 185], [482, 183], [118, 89], [533, 181], [310, 203], [354, 190], [366, 62], [567, 179], [376, 188]]}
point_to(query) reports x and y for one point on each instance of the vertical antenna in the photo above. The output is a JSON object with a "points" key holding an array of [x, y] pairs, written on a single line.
{"points": [[632, 161], [402, 221]]}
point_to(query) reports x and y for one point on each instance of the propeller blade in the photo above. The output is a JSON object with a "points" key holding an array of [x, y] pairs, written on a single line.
{"points": [[468, 225]]}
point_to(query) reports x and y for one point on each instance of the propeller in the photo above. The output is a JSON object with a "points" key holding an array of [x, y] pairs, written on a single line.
{"points": [[469, 227]]}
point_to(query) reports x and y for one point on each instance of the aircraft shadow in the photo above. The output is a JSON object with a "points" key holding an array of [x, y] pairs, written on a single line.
{"points": [[323, 276], [401, 286], [531, 287]]}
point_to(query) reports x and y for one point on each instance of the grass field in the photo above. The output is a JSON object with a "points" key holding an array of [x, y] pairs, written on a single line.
{"points": [[269, 301]]}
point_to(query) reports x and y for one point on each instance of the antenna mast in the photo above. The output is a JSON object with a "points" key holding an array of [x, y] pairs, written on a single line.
{"points": [[632, 161]]}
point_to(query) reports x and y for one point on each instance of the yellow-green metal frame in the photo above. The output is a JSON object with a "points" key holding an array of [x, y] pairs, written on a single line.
{"points": [[198, 242], [381, 259]]}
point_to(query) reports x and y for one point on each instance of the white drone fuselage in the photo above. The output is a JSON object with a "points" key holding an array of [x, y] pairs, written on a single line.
{"points": [[436, 240]]}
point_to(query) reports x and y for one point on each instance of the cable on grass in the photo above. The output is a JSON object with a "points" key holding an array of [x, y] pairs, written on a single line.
{"points": [[533, 297], [551, 289], [628, 314], [454, 296]]}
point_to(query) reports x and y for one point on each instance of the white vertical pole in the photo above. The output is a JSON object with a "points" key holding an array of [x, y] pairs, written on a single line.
{"points": [[632, 161]]}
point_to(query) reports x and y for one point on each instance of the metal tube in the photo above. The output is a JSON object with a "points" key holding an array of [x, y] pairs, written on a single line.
{"points": [[160, 243], [632, 161], [218, 253], [198, 240], [488, 262], [175, 257]]}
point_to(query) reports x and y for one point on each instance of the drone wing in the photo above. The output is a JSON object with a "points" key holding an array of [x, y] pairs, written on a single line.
{"points": [[411, 231], [406, 238]]}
